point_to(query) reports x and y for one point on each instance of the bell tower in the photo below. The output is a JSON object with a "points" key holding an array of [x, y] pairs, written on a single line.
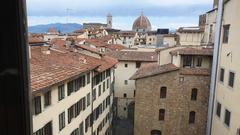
{"points": [[109, 21]]}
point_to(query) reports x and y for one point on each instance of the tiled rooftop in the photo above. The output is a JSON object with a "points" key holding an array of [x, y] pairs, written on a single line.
{"points": [[152, 69], [193, 51], [134, 56], [49, 69]]}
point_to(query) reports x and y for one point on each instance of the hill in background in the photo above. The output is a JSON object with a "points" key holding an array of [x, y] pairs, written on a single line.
{"points": [[63, 28]]}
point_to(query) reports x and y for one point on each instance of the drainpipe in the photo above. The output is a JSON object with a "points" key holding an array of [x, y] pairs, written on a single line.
{"points": [[214, 66]]}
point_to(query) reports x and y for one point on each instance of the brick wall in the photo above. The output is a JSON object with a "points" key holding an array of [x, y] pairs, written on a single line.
{"points": [[177, 104]]}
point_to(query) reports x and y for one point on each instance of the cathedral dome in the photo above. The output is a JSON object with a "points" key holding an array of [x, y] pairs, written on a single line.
{"points": [[141, 24]]}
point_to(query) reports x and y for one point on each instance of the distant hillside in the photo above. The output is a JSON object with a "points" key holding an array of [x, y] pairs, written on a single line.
{"points": [[64, 28]]}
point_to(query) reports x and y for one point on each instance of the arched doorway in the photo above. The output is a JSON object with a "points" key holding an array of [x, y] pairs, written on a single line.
{"points": [[156, 132]]}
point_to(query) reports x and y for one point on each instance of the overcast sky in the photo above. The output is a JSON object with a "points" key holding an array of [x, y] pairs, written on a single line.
{"points": [[161, 13]]}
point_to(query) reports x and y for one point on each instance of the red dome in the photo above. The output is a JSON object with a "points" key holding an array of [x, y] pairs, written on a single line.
{"points": [[141, 24]]}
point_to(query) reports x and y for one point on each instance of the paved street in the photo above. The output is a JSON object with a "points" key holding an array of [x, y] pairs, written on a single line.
{"points": [[123, 127]]}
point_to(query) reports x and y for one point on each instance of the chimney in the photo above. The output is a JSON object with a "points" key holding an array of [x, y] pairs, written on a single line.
{"points": [[45, 49], [83, 60]]}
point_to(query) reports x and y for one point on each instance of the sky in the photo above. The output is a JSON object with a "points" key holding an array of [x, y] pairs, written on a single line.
{"points": [[161, 13]]}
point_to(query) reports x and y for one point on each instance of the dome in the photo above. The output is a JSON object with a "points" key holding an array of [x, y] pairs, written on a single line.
{"points": [[141, 24]]}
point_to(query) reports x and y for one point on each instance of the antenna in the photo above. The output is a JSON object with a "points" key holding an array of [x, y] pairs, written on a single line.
{"points": [[67, 10]]}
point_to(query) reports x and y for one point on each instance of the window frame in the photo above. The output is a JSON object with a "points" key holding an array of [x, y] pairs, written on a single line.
{"points": [[162, 113], [47, 98], [163, 92], [61, 92], [222, 75], [192, 117], [37, 111], [62, 121], [225, 38], [194, 94], [229, 79], [218, 110], [225, 112]]}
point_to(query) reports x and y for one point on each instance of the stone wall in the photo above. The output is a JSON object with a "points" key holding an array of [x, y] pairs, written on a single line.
{"points": [[177, 104]]}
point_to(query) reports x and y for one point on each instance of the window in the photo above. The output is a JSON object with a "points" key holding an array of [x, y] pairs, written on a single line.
{"points": [[163, 92], [76, 84], [218, 112], [187, 61], [99, 90], [124, 108], [71, 113], [192, 117], [108, 72], [81, 129], [61, 92], [61, 121], [226, 33], [47, 98], [126, 65], [37, 105], [46, 130], [125, 82], [94, 94], [134, 92], [84, 103], [156, 132], [227, 118], [194, 94], [138, 64], [231, 79], [103, 105], [108, 83], [199, 61], [125, 95], [75, 132], [87, 123], [161, 114], [88, 78], [221, 75], [88, 99], [104, 86]]}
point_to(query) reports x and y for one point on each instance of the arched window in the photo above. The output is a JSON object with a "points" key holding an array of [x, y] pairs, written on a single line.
{"points": [[161, 114], [194, 94], [156, 132], [163, 92], [192, 115]]}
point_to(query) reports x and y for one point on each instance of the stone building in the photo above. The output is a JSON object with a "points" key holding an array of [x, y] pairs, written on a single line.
{"points": [[172, 96], [129, 61], [226, 112]]}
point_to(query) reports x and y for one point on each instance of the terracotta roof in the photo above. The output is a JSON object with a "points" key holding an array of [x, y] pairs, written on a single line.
{"points": [[96, 42], [58, 43], [134, 56], [152, 69], [193, 51], [115, 47], [88, 48], [195, 71], [105, 38], [47, 70], [141, 22], [34, 40]]}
